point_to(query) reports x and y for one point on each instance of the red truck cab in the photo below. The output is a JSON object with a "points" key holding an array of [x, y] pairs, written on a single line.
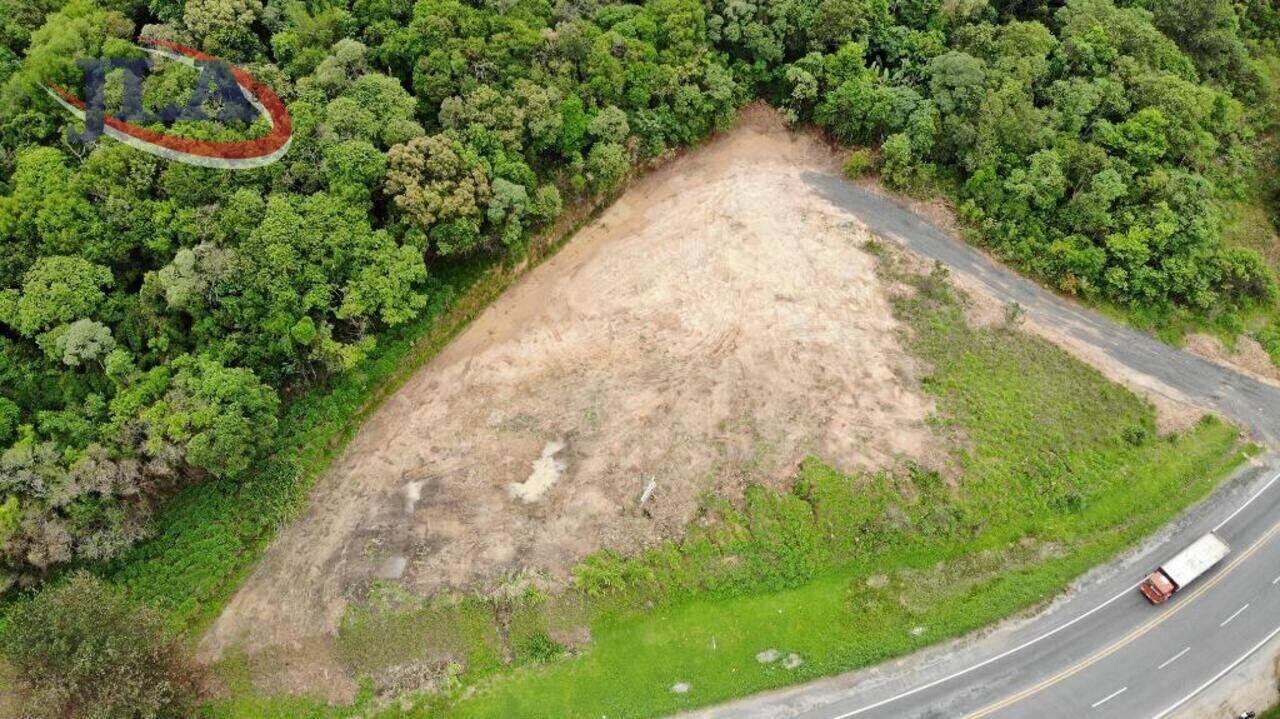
{"points": [[1158, 587]]}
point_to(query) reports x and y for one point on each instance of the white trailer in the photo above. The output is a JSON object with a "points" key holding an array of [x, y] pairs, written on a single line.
{"points": [[1185, 568]]}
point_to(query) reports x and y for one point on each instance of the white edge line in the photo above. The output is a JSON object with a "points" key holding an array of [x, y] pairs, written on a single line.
{"points": [[1052, 632], [1174, 658], [1227, 621], [996, 658], [1218, 676], [1108, 698], [1242, 507]]}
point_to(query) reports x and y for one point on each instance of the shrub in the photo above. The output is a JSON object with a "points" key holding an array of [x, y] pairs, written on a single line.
{"points": [[80, 648], [1269, 338], [10, 414], [859, 163], [1014, 314], [898, 164], [541, 648]]}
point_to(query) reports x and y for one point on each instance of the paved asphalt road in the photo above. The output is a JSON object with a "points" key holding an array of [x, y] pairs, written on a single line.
{"points": [[1105, 652]]}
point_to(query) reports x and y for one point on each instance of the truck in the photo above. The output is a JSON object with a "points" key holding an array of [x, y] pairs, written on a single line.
{"points": [[1184, 568]]}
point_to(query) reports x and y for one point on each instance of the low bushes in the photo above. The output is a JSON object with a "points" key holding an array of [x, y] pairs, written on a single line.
{"points": [[82, 650]]}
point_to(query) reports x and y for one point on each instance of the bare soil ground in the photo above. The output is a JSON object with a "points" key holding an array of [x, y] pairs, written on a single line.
{"points": [[717, 324], [1247, 357]]}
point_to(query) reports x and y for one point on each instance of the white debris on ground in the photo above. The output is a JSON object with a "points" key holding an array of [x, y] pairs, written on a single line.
{"points": [[546, 471], [680, 688], [769, 656], [648, 491], [412, 493], [793, 661], [393, 567]]}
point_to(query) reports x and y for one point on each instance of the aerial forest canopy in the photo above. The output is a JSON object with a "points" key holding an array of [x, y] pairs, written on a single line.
{"points": [[156, 317]]}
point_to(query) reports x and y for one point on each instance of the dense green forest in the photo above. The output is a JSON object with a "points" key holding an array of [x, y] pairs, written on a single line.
{"points": [[155, 317]]}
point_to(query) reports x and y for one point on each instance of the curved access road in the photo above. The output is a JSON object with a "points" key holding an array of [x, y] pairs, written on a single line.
{"points": [[1104, 651]]}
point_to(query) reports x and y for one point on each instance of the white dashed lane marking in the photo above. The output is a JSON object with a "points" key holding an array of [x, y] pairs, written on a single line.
{"points": [[1109, 697], [1227, 621], [1174, 658]]}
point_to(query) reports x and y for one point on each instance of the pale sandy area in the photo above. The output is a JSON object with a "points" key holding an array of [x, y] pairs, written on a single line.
{"points": [[1248, 357], [716, 325]]}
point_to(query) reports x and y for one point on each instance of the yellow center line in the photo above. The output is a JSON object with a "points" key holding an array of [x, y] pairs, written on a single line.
{"points": [[1130, 638]]}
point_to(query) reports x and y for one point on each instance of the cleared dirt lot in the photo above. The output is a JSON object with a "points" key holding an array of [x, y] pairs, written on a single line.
{"points": [[714, 326]]}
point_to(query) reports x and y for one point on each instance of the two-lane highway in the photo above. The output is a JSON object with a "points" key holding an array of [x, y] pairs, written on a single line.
{"points": [[1175, 649], [1104, 651]]}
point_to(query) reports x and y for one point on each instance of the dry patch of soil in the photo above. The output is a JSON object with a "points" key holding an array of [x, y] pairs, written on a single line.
{"points": [[713, 327], [1248, 357]]}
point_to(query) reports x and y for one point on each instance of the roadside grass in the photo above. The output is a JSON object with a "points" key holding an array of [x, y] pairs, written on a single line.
{"points": [[1054, 470], [1269, 338]]}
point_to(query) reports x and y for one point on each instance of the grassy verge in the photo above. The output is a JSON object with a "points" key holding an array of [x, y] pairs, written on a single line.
{"points": [[1054, 470]]}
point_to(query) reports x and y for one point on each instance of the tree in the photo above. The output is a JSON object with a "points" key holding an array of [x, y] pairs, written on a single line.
{"points": [[83, 341], [573, 126], [10, 415], [609, 125], [79, 29], [1042, 185], [223, 27], [542, 117], [507, 210], [1244, 274], [222, 418], [485, 117], [317, 258], [607, 164], [45, 214], [957, 82], [442, 186], [1209, 31], [80, 648], [897, 165], [56, 290], [1089, 211], [836, 22], [546, 204], [1141, 139], [188, 280], [354, 170]]}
